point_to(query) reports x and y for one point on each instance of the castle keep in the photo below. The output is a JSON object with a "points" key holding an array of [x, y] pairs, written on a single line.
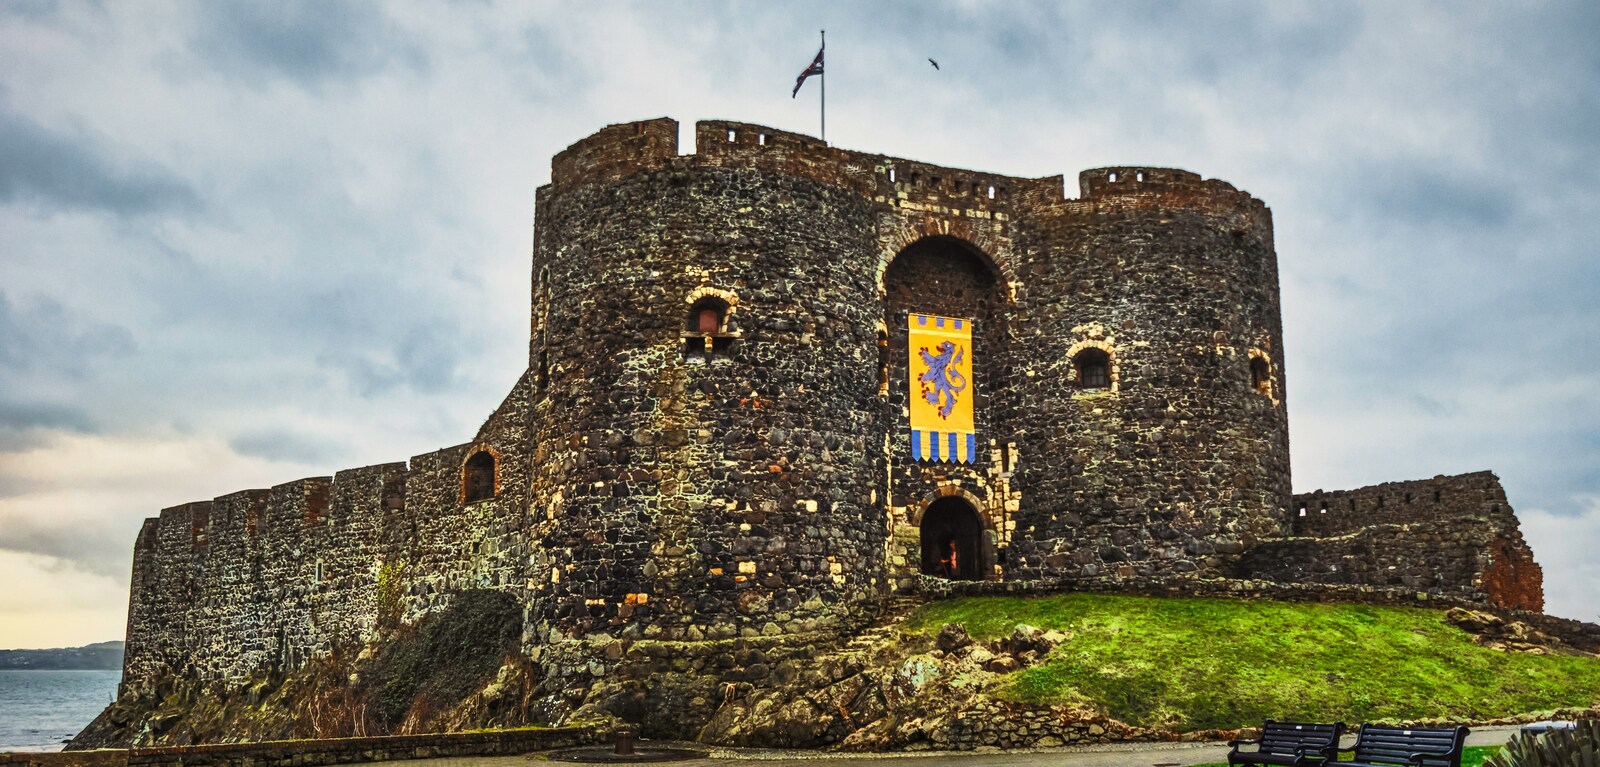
{"points": [[711, 445]]}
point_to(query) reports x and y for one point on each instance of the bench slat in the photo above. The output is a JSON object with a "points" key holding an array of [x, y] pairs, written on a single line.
{"points": [[1380, 745], [1290, 744]]}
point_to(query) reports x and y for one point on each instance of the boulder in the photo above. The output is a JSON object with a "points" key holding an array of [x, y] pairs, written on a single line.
{"points": [[952, 637]]}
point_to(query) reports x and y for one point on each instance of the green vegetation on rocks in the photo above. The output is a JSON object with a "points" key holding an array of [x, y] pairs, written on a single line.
{"points": [[1210, 663], [450, 656]]}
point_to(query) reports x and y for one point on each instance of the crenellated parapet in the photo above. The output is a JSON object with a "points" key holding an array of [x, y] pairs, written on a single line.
{"points": [[646, 146], [1453, 535], [615, 151], [1335, 512]]}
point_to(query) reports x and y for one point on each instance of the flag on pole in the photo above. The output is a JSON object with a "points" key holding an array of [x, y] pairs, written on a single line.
{"points": [[814, 69]]}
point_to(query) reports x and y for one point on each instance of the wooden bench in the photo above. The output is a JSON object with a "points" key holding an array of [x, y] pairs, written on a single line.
{"points": [[1289, 744], [1383, 746]]}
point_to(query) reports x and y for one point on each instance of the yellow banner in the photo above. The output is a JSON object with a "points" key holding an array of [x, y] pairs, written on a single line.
{"points": [[941, 389]]}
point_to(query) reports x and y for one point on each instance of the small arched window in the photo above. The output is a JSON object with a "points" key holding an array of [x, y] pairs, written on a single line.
{"points": [[478, 477], [707, 316], [706, 330], [1261, 375], [1093, 367]]}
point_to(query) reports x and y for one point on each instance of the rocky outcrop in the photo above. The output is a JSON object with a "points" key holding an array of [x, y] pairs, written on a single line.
{"points": [[456, 670], [913, 693], [1498, 633]]}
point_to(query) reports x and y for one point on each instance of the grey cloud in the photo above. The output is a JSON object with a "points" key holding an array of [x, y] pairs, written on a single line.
{"points": [[305, 41], [52, 171], [1122, 52], [285, 445], [30, 9], [47, 336], [1215, 34], [100, 549], [23, 424], [1430, 196], [540, 59], [31, 415], [47, 354], [1433, 406], [427, 361]]}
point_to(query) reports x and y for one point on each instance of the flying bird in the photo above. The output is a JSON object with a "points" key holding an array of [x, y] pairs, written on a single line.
{"points": [[934, 63]]}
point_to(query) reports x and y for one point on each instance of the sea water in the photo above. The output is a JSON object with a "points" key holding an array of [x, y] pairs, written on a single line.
{"points": [[40, 709]]}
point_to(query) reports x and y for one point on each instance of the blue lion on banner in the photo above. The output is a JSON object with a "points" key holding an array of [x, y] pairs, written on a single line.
{"points": [[947, 382]]}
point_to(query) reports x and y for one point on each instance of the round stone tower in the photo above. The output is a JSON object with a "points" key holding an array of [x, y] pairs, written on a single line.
{"points": [[1177, 455], [704, 340]]}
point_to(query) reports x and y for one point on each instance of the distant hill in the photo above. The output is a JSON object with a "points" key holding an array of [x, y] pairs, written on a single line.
{"points": [[94, 657]]}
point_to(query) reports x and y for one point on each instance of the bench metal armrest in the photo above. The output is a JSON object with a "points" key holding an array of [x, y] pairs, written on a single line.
{"points": [[1241, 742]]}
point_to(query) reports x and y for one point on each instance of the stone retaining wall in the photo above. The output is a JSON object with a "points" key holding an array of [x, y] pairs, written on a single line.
{"points": [[309, 753]]}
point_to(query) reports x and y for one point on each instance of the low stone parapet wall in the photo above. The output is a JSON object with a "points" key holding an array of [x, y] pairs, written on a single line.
{"points": [[106, 757], [309, 753], [1190, 586]]}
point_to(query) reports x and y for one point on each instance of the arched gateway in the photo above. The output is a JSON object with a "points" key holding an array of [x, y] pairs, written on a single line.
{"points": [[952, 540]]}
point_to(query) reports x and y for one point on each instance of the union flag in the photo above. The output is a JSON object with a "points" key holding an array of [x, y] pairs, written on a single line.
{"points": [[814, 69]]}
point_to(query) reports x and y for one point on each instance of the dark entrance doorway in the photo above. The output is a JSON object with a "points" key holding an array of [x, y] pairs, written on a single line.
{"points": [[952, 540]]}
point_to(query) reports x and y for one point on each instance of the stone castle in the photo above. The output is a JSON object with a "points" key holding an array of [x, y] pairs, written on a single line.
{"points": [[709, 448]]}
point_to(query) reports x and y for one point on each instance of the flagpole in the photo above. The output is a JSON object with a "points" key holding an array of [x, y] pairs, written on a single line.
{"points": [[824, 78]]}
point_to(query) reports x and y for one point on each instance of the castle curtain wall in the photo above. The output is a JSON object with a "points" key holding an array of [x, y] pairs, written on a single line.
{"points": [[1447, 535], [744, 489]]}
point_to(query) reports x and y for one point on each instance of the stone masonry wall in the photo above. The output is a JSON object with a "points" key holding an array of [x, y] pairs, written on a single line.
{"points": [[1182, 462], [662, 495], [1327, 513], [690, 495], [226, 611], [1447, 535]]}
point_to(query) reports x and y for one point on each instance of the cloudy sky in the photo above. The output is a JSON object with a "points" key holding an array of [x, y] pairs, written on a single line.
{"points": [[242, 243]]}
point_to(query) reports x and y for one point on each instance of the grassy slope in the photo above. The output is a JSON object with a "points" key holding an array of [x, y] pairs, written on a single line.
{"points": [[1211, 663]]}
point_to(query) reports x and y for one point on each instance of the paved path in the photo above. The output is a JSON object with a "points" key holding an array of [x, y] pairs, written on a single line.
{"points": [[1115, 755]]}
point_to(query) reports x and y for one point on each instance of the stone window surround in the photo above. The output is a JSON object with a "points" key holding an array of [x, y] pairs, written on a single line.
{"points": [[1256, 353], [730, 305], [472, 452], [1113, 366]]}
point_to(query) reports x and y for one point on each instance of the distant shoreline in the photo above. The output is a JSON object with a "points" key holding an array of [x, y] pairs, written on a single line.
{"points": [[101, 656]]}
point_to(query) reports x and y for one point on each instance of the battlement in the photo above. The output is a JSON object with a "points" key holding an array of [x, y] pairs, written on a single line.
{"points": [[617, 150], [623, 149], [1446, 535], [1326, 513], [1143, 186], [237, 516]]}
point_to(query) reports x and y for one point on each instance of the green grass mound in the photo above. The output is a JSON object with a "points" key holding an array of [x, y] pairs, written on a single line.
{"points": [[1212, 663]]}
